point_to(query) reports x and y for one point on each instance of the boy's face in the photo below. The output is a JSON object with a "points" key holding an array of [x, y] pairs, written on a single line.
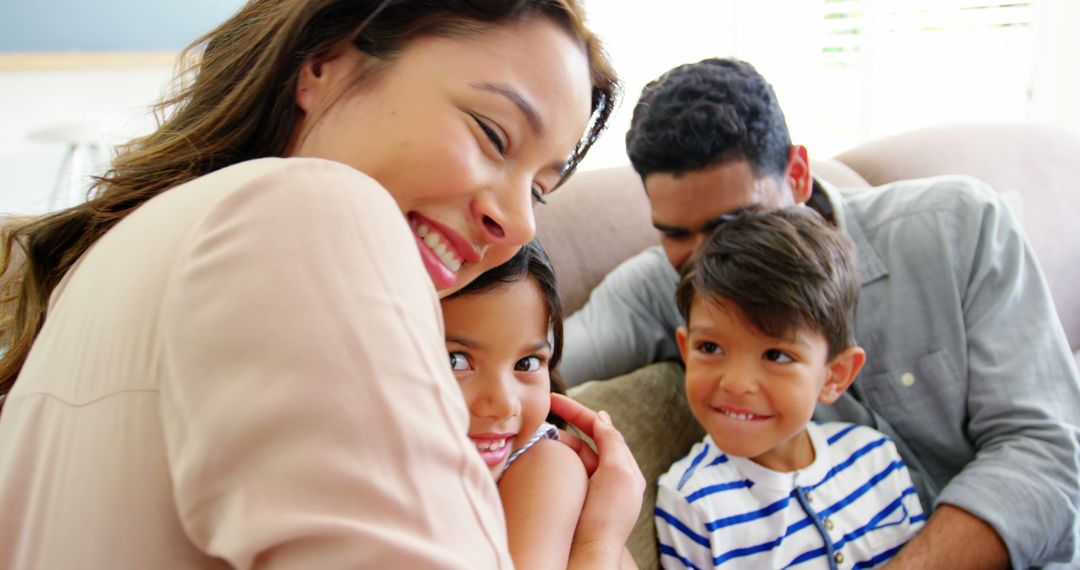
{"points": [[754, 393]]}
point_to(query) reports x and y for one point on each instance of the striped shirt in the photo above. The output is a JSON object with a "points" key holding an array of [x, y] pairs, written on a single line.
{"points": [[853, 507]]}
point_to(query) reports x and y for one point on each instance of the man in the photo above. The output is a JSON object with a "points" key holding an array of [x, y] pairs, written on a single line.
{"points": [[968, 369]]}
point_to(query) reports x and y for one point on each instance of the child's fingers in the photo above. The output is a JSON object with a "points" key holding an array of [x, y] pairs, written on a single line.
{"points": [[583, 450], [616, 455], [574, 413]]}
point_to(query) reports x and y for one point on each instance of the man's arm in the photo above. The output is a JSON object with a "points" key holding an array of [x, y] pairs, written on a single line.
{"points": [[953, 538], [1021, 492], [628, 322]]}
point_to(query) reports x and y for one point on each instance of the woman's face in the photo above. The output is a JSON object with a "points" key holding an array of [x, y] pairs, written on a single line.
{"points": [[462, 131]]}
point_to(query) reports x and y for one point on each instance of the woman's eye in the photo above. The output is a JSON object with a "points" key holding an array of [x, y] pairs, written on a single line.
{"points": [[493, 136], [458, 361], [538, 194], [710, 348], [776, 355], [528, 364]]}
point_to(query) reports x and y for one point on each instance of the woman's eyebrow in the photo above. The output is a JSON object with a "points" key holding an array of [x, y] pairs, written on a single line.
{"points": [[519, 101]]}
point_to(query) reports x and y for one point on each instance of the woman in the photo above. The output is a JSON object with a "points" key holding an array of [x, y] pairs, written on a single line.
{"points": [[230, 359]]}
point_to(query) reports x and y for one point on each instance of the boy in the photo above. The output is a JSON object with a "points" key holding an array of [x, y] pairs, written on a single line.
{"points": [[769, 301]]}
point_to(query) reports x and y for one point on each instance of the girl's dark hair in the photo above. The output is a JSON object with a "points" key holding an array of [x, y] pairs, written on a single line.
{"points": [[235, 101], [531, 261]]}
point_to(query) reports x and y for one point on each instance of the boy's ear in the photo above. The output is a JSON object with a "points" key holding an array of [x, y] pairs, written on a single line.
{"points": [[680, 338], [842, 372]]}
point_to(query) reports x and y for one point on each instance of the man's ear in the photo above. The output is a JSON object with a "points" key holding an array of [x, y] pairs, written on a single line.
{"points": [[842, 372], [680, 339], [321, 76], [797, 174]]}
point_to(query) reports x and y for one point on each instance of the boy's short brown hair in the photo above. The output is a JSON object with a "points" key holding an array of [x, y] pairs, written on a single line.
{"points": [[785, 269]]}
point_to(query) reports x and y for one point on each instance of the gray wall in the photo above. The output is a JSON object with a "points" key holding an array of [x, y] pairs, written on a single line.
{"points": [[108, 25]]}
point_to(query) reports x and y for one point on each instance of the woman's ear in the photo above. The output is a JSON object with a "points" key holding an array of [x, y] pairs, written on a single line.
{"points": [[842, 372], [322, 75]]}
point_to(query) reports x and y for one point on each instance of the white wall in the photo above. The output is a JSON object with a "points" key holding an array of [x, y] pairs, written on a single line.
{"points": [[115, 100], [828, 110]]}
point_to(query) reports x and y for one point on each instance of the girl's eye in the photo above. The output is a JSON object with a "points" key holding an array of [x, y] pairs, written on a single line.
{"points": [[492, 135], [459, 362], [710, 348], [776, 355], [528, 364]]}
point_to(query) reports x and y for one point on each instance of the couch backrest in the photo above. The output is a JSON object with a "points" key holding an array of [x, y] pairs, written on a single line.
{"points": [[1041, 164], [590, 225]]}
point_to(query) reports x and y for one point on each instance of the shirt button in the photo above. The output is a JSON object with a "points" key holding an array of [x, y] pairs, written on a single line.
{"points": [[839, 557], [829, 524], [907, 379], [809, 497]]}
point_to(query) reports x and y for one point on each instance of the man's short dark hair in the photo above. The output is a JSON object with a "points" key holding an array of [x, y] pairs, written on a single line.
{"points": [[784, 269], [707, 113]]}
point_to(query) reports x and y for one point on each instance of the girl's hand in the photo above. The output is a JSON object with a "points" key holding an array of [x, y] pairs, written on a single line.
{"points": [[615, 488]]}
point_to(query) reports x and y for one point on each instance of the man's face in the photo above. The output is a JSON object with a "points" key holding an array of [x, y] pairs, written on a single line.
{"points": [[686, 208]]}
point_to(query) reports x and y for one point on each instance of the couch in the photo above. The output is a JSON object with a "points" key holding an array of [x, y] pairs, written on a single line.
{"points": [[601, 218]]}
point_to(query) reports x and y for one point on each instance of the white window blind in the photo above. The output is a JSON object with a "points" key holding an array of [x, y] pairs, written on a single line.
{"points": [[906, 64]]}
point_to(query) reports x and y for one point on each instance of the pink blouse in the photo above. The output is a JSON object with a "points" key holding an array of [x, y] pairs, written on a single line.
{"points": [[249, 372]]}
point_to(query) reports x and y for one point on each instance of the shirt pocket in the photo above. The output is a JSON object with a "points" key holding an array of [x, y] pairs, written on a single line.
{"points": [[889, 532], [921, 400]]}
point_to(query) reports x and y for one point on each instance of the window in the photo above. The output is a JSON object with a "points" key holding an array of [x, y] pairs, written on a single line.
{"points": [[847, 71]]}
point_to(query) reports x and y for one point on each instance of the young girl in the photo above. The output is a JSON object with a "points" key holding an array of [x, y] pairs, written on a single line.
{"points": [[504, 336]]}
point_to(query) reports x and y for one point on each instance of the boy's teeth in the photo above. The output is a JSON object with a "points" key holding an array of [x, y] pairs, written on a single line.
{"points": [[431, 239]]}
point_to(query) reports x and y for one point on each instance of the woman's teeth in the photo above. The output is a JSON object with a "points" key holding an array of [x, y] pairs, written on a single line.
{"points": [[434, 240]]}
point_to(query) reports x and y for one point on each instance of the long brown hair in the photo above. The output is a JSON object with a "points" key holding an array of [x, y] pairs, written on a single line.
{"points": [[234, 101]]}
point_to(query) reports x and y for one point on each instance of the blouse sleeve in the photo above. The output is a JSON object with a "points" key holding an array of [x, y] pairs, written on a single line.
{"points": [[310, 416]]}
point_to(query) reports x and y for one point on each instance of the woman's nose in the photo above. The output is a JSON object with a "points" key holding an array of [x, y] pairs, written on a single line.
{"points": [[506, 214]]}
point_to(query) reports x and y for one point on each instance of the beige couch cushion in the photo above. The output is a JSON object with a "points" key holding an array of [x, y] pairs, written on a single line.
{"points": [[649, 408]]}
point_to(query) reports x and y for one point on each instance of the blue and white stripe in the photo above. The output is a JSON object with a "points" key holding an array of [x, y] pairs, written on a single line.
{"points": [[854, 507]]}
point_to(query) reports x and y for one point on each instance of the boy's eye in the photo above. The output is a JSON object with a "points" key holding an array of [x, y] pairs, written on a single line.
{"points": [[710, 348], [776, 355], [459, 361], [528, 364]]}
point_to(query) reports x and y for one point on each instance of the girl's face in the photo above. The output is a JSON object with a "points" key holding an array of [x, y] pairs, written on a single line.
{"points": [[464, 132], [499, 351]]}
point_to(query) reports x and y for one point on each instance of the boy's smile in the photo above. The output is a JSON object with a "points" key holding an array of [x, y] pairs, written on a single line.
{"points": [[753, 393]]}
